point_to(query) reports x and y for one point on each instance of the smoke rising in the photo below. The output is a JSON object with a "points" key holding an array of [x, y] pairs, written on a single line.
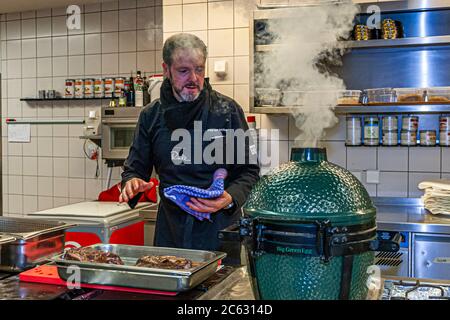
{"points": [[309, 45]]}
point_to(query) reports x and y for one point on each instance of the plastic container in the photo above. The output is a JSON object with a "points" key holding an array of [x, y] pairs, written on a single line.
{"points": [[390, 138], [380, 95], [428, 138], [371, 131], [444, 123], [390, 123], [349, 97], [410, 123], [410, 94], [444, 138], [268, 96], [438, 94], [408, 138], [354, 131]]}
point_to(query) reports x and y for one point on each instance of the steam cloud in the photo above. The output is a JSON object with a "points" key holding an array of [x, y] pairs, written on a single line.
{"points": [[310, 37]]}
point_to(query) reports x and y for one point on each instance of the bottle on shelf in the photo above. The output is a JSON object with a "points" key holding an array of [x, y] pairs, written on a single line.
{"points": [[123, 99], [146, 96], [129, 91], [138, 90]]}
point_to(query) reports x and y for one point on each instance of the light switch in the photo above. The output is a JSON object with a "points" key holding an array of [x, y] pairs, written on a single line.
{"points": [[92, 114], [373, 176], [220, 68]]}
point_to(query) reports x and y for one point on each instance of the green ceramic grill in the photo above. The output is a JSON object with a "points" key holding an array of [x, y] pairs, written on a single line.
{"points": [[309, 227]]}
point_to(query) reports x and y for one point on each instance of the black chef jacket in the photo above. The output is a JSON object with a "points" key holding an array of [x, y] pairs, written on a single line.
{"points": [[152, 147]]}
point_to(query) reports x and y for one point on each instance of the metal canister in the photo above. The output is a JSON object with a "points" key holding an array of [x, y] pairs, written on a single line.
{"points": [[408, 138], [444, 138], [354, 131], [390, 123], [119, 86], [42, 94], [444, 123], [427, 138], [51, 94], [99, 88], [390, 138], [410, 123], [89, 88], [109, 87], [79, 88], [69, 91], [371, 131]]}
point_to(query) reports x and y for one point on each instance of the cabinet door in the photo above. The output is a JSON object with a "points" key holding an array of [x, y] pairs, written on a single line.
{"points": [[431, 256]]}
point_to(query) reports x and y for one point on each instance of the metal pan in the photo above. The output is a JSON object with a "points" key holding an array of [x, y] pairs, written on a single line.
{"points": [[35, 240], [129, 275]]}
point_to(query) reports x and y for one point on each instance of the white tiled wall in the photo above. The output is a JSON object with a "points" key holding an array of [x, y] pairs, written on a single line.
{"points": [[224, 27], [38, 52]]}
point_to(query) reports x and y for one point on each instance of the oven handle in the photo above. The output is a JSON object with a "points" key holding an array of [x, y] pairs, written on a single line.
{"points": [[119, 121]]}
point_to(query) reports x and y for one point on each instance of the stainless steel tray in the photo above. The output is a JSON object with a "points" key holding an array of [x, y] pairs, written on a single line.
{"points": [[129, 275], [26, 228], [34, 241]]}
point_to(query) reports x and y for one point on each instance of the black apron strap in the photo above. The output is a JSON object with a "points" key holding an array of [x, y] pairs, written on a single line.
{"points": [[187, 235]]}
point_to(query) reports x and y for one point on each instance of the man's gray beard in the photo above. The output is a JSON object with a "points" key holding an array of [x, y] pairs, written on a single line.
{"points": [[188, 97]]}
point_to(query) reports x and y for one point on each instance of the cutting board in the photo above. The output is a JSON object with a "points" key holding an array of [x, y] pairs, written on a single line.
{"points": [[93, 209], [48, 274]]}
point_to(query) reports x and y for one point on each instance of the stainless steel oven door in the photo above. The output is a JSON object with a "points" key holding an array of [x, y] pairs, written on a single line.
{"points": [[117, 136]]}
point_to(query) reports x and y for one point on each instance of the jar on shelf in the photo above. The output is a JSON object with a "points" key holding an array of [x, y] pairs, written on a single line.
{"points": [[371, 131], [354, 131]]}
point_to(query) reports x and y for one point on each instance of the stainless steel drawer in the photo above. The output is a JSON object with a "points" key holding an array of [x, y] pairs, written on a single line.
{"points": [[431, 256]]}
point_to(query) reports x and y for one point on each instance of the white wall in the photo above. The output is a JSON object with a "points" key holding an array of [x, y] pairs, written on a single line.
{"points": [[38, 52]]}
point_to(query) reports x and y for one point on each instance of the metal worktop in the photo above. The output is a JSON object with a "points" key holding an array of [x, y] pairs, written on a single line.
{"points": [[409, 215]]}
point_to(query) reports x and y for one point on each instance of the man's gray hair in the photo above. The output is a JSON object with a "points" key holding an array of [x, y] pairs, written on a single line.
{"points": [[182, 41]]}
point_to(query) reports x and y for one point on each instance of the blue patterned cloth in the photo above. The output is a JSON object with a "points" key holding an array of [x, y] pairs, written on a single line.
{"points": [[181, 194]]}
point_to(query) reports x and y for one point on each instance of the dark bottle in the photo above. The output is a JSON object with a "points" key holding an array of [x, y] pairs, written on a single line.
{"points": [[145, 92], [129, 92]]}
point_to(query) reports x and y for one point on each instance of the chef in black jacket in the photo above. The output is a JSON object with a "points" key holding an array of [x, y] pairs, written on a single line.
{"points": [[186, 97]]}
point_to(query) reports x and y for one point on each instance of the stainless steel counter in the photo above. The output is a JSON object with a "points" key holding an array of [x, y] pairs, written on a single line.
{"points": [[409, 215]]}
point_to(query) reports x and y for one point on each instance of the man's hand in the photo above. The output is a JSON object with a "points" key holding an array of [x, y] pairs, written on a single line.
{"points": [[133, 187], [210, 205]]}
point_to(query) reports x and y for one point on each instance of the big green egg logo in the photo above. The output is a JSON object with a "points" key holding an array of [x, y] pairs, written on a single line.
{"points": [[289, 250]]}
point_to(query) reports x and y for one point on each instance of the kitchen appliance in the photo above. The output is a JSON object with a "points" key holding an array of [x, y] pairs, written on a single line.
{"points": [[99, 222], [129, 275], [118, 125], [26, 242], [309, 230]]}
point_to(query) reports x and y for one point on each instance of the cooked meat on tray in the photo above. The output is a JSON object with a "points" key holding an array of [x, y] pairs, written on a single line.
{"points": [[164, 262], [91, 255]]}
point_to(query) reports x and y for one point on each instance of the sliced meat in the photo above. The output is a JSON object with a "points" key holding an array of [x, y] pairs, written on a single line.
{"points": [[91, 255], [164, 262]]}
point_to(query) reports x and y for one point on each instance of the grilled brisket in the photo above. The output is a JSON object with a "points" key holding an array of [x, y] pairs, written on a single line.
{"points": [[91, 255], [164, 262]]}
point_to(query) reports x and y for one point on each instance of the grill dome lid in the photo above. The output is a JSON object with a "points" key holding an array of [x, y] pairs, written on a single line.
{"points": [[309, 188]]}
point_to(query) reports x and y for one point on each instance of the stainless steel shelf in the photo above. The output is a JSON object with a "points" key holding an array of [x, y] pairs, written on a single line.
{"points": [[403, 42], [364, 109]]}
